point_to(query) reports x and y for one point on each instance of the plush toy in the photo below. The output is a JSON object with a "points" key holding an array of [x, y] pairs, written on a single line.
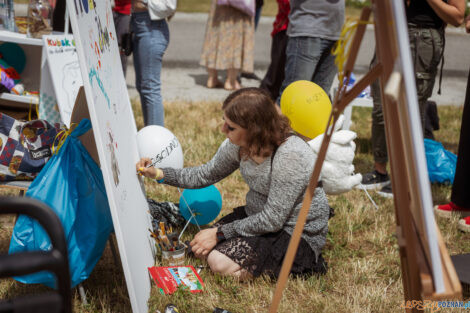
{"points": [[337, 173], [9, 77]]}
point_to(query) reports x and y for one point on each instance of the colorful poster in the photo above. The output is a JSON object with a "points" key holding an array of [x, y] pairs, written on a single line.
{"points": [[115, 135], [62, 63]]}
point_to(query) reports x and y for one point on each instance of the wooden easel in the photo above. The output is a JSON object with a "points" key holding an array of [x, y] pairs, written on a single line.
{"points": [[418, 282]]}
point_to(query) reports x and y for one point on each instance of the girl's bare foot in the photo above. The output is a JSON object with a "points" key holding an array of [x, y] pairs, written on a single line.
{"points": [[232, 86]]}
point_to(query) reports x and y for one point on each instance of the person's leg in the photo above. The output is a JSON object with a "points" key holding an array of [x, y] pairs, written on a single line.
{"points": [[121, 22], [426, 52], [212, 79], [460, 195], [378, 177], [326, 68], [275, 75], [302, 56], [231, 83], [379, 142], [151, 41], [222, 264]]}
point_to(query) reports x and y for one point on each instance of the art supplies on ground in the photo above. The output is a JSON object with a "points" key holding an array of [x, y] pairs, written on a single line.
{"points": [[170, 278], [173, 250]]}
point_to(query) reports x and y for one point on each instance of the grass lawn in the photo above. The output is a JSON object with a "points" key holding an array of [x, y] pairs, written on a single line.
{"points": [[362, 252]]}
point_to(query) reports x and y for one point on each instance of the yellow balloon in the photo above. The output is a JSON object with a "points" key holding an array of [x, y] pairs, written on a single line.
{"points": [[307, 106]]}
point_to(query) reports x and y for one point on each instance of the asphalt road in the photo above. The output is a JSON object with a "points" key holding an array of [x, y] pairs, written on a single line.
{"points": [[183, 78]]}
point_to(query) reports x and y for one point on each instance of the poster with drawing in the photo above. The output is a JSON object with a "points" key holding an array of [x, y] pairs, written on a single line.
{"points": [[115, 135], [62, 62]]}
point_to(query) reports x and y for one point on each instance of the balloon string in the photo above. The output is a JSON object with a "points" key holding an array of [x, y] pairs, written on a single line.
{"points": [[342, 47], [193, 216]]}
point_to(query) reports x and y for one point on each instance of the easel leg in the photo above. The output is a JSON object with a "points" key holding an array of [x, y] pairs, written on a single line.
{"points": [[113, 249], [81, 291], [21, 194]]}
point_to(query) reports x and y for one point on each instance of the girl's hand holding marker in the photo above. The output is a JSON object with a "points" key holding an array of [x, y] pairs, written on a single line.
{"points": [[145, 168]]}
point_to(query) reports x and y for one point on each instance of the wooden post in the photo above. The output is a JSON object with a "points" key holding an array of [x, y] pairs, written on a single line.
{"points": [[415, 256]]}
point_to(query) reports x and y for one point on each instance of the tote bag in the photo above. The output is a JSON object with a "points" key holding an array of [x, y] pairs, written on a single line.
{"points": [[246, 6]]}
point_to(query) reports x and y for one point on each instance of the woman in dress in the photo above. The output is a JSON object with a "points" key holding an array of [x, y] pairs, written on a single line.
{"points": [[228, 45]]}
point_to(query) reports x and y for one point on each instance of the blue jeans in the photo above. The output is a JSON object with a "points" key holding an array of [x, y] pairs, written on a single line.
{"points": [[309, 58], [150, 42]]}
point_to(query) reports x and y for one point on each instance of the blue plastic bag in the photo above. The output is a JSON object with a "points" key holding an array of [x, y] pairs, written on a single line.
{"points": [[71, 183], [441, 163]]}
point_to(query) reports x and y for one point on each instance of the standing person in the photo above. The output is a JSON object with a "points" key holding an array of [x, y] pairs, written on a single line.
{"points": [[228, 45], [277, 168], [426, 24], [460, 197], [122, 19], [314, 28], [258, 7], [151, 38], [275, 75]]}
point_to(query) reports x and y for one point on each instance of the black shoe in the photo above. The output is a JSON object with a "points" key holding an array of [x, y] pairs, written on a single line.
{"points": [[374, 180], [386, 191]]}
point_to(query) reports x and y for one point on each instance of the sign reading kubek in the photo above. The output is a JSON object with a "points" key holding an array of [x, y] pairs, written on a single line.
{"points": [[115, 135], [64, 69]]}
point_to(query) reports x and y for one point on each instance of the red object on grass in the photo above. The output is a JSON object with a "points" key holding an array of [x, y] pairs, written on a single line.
{"points": [[170, 278]]}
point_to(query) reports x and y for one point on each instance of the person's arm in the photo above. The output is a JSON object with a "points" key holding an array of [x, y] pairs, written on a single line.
{"points": [[224, 162], [288, 182], [452, 12]]}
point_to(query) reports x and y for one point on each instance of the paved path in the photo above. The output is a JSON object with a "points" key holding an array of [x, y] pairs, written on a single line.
{"points": [[184, 79]]}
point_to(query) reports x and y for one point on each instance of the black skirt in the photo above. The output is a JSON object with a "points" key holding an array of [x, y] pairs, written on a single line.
{"points": [[264, 254]]}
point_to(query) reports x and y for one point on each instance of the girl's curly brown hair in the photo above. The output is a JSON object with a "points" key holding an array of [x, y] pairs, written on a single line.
{"points": [[253, 109]]}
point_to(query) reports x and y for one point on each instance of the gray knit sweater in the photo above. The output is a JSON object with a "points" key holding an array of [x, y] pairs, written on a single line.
{"points": [[276, 192]]}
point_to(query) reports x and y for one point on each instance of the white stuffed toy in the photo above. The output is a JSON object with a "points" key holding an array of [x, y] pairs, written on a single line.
{"points": [[337, 173]]}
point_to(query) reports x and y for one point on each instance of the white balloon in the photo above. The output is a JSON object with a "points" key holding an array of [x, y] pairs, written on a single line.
{"points": [[161, 146]]}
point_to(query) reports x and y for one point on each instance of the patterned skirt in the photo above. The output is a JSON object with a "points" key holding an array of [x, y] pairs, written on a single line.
{"points": [[264, 254], [229, 41]]}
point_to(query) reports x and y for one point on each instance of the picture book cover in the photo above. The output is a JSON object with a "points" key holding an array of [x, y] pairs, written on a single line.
{"points": [[169, 278]]}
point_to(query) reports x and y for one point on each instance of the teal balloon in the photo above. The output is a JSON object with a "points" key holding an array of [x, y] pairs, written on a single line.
{"points": [[205, 203]]}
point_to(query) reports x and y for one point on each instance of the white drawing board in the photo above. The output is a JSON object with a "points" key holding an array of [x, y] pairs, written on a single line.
{"points": [[115, 135], [62, 62], [406, 67]]}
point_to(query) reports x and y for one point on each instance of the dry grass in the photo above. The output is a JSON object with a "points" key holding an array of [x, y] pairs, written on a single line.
{"points": [[364, 271]]}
